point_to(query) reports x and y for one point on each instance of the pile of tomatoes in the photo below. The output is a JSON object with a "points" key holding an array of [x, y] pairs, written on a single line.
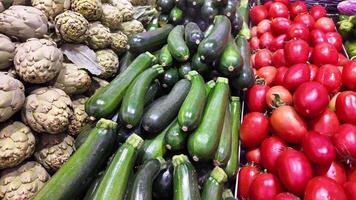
{"points": [[300, 129]]}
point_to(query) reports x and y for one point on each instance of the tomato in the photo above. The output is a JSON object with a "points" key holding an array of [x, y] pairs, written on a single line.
{"points": [[298, 31], [316, 37], [278, 96], [345, 141], [263, 27], [313, 71], [246, 175], [280, 25], [258, 13], [350, 189], [270, 150], [278, 9], [326, 124], [278, 43], [294, 171], [335, 39], [266, 40], [349, 75], [297, 8], [305, 19], [254, 31], [335, 171], [325, 24], [285, 2], [254, 43], [281, 72], [256, 98], [286, 196], [318, 149], [330, 77], [342, 60], [325, 53], [278, 58], [254, 156], [332, 102], [296, 51], [263, 58], [293, 131], [317, 11], [267, 73], [264, 187], [321, 187], [254, 129], [295, 76], [346, 107], [351, 174]]}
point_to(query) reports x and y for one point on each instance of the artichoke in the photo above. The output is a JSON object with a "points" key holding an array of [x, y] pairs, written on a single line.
{"points": [[72, 26], [23, 22], [12, 96], [72, 80], [141, 2], [90, 9], [2, 7], [109, 63], [125, 8], [16, 144], [131, 27], [53, 151], [7, 51], [22, 182], [99, 36], [111, 16], [51, 8], [119, 42], [96, 83], [80, 117], [38, 60], [47, 110]]}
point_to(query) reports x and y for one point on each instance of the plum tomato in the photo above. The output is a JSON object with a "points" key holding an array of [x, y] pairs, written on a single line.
{"points": [[321, 187], [295, 76], [278, 96], [263, 27], [325, 53], [313, 71], [335, 39], [278, 43], [247, 174], [298, 7], [330, 77], [254, 31], [254, 156], [326, 124], [285, 2], [345, 141], [335, 170], [345, 107], [316, 37], [254, 129], [325, 24], [298, 31], [263, 58], [350, 189], [342, 60], [280, 25], [258, 13], [270, 150], [296, 51], [351, 174], [264, 187], [286, 196], [278, 58], [267, 73], [266, 40], [254, 43], [281, 72], [317, 11], [349, 75], [278, 9], [306, 19], [256, 98]]}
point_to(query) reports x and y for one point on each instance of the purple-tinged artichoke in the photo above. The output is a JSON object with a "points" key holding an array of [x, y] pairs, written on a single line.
{"points": [[7, 51], [80, 117], [72, 26], [51, 8]]}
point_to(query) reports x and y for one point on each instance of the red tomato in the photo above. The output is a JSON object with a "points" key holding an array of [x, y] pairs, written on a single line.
{"points": [[246, 175], [263, 58], [335, 171], [263, 26], [330, 77], [278, 58], [294, 171], [254, 156], [285, 2], [266, 40], [256, 98], [342, 60], [322, 187], [319, 149], [298, 31], [280, 25], [325, 53], [278, 9], [258, 13], [316, 37], [326, 124], [296, 75], [349, 75], [268, 73], [278, 43], [254, 31], [270, 150], [281, 72], [351, 174], [350, 189], [345, 141], [286, 196], [296, 51], [297, 8], [254, 129], [264, 187], [346, 107], [278, 96], [332, 102], [254, 43], [293, 131], [335, 39], [317, 12], [305, 19], [325, 24], [268, 4], [313, 71]]}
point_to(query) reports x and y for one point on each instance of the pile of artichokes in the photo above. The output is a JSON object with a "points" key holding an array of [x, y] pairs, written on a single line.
{"points": [[42, 90]]}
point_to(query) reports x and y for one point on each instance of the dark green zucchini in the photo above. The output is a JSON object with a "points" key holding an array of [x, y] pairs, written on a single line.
{"points": [[185, 182], [149, 40], [214, 186], [243, 10], [220, 3], [236, 23], [198, 64], [204, 171], [106, 100], [230, 62], [114, 183], [184, 69], [154, 24], [129, 185], [152, 92], [93, 186], [158, 116], [163, 20], [165, 6], [223, 152], [228, 195], [176, 44], [176, 15], [202, 143], [169, 77], [83, 134], [193, 35], [163, 184], [209, 10], [126, 60], [195, 3], [181, 4], [76, 174], [133, 102], [230, 8], [175, 138], [165, 58]]}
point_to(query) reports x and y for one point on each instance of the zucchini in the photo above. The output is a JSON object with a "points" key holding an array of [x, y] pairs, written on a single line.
{"points": [[236, 23], [192, 109], [152, 92], [219, 3], [133, 102], [246, 77], [83, 134], [142, 185], [232, 163], [159, 115], [149, 40], [230, 62], [176, 44], [169, 77], [107, 99], [243, 10], [214, 186], [176, 15], [209, 86], [230, 9], [209, 10], [165, 58], [184, 69], [202, 23], [182, 4], [129, 185], [185, 182], [193, 35], [154, 24], [228, 195], [203, 172], [213, 45], [113, 185], [126, 60], [75, 175], [175, 138], [165, 6], [199, 65], [163, 20], [223, 152], [202, 143], [163, 184], [195, 3], [93, 186]]}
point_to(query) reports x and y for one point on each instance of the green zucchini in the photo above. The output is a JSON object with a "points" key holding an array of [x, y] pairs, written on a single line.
{"points": [[93, 186], [75, 175], [209, 10], [154, 24], [175, 138], [152, 92], [149, 40], [113, 185], [176, 44], [130, 182], [159, 115], [202, 143], [193, 35], [228, 195], [176, 15], [192, 109], [142, 185], [126, 60], [182, 4], [236, 23], [232, 163], [184, 69], [230, 9], [212, 46], [214, 186], [209, 30], [163, 184], [107, 99], [133, 102], [185, 181], [83, 134], [223, 152], [230, 62], [169, 77], [209, 86], [244, 12], [199, 65], [165, 6], [165, 58]]}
